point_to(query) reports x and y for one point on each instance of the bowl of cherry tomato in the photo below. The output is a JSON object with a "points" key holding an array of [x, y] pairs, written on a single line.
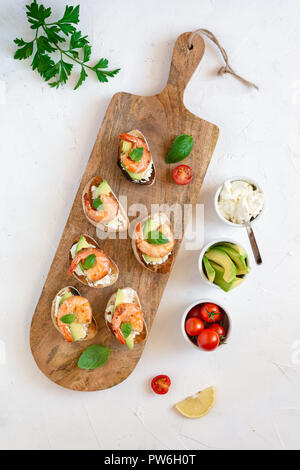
{"points": [[206, 325]]}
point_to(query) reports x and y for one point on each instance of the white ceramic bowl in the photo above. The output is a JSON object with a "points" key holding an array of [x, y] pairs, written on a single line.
{"points": [[209, 245], [227, 323], [237, 178]]}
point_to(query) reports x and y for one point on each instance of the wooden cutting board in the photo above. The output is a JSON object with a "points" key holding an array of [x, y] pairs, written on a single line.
{"points": [[160, 118]]}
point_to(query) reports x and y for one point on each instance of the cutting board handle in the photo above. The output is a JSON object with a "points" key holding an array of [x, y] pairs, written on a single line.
{"points": [[184, 63]]}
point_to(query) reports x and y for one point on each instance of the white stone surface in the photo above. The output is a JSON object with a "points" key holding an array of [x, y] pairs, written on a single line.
{"points": [[46, 139]]}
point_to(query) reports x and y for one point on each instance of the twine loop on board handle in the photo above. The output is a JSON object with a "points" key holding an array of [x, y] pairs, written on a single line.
{"points": [[226, 68]]}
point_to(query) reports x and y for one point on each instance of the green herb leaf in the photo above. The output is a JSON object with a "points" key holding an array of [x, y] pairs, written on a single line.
{"points": [[89, 262], [50, 41], [75, 54], [136, 154], [53, 35], [71, 15], [157, 238], [102, 64], [102, 75], [77, 40], [42, 62], [43, 45], [65, 71], [83, 76], [181, 148], [68, 319], [126, 329], [98, 204], [67, 29], [25, 51], [87, 50], [51, 72], [20, 42], [37, 14], [93, 357]]}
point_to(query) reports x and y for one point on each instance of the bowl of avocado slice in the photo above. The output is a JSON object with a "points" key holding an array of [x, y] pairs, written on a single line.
{"points": [[224, 264]]}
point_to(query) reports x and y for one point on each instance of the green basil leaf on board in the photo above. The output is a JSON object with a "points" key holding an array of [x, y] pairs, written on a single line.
{"points": [[93, 357], [136, 154], [98, 204], [181, 148], [126, 329], [68, 319], [51, 36], [157, 238], [89, 262]]}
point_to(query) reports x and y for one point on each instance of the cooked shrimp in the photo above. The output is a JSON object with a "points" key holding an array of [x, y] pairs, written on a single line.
{"points": [[155, 251], [127, 313], [110, 211], [80, 307], [99, 270], [131, 165]]}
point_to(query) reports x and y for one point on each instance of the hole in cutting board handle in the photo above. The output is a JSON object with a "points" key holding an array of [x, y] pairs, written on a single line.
{"points": [[185, 60]]}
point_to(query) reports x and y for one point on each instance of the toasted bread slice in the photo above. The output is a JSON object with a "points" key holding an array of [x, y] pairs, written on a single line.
{"points": [[92, 329], [114, 274], [145, 182], [162, 268], [109, 313], [122, 227]]}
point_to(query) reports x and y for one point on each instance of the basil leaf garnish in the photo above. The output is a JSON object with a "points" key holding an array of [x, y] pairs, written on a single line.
{"points": [[67, 319], [89, 262], [93, 357], [136, 154], [126, 329], [157, 238], [181, 148], [98, 204]]}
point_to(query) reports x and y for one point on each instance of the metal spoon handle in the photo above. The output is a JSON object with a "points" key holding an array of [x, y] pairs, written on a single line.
{"points": [[253, 243]]}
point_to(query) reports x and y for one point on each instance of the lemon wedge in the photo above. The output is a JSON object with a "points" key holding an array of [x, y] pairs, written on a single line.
{"points": [[198, 405]]}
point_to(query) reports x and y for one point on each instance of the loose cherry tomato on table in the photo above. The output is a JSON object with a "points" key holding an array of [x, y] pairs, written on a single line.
{"points": [[193, 326], [161, 384], [208, 340], [211, 313], [182, 174]]}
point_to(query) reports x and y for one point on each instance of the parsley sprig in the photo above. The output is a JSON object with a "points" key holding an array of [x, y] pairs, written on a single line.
{"points": [[136, 154], [50, 38]]}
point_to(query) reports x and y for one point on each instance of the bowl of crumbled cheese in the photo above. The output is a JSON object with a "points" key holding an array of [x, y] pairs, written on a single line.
{"points": [[239, 200]]}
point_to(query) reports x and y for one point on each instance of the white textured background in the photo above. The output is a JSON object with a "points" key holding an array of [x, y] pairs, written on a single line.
{"points": [[46, 137]]}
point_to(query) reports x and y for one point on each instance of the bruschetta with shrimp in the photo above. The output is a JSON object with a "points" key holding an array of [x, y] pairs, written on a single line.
{"points": [[102, 208], [153, 243], [90, 265], [72, 316], [135, 159], [124, 317]]}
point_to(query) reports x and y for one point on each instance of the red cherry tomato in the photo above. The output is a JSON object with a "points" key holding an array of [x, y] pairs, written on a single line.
{"points": [[161, 384], [208, 340], [193, 326], [211, 313], [195, 312], [218, 329], [182, 174]]}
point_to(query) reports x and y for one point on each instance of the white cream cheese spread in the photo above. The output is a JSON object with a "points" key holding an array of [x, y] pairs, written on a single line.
{"points": [[240, 202]]}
